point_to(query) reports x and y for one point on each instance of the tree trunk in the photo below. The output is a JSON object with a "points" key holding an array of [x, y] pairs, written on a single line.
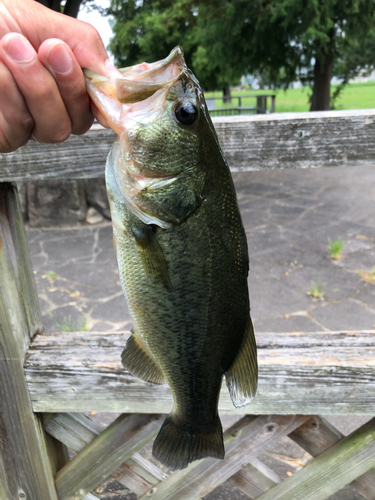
{"points": [[71, 6], [321, 96], [226, 94]]}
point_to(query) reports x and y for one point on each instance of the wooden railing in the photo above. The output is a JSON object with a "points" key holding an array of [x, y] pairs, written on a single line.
{"points": [[260, 106], [47, 381]]}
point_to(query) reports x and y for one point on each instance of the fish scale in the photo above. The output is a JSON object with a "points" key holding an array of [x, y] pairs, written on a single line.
{"points": [[182, 253]]}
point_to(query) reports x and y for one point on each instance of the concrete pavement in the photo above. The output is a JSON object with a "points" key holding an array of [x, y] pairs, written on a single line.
{"points": [[288, 217]]}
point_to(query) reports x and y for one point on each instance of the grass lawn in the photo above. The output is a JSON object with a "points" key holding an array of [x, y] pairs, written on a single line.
{"points": [[354, 96]]}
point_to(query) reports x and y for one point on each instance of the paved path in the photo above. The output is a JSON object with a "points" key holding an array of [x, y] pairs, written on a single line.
{"points": [[288, 216]]}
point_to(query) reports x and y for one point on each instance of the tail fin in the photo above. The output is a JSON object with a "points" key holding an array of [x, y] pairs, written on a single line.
{"points": [[177, 444]]}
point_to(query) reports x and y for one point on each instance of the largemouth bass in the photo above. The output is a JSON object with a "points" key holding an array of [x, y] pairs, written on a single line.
{"points": [[181, 251]]}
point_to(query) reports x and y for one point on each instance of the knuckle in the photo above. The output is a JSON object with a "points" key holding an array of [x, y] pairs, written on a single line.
{"points": [[8, 145], [62, 133], [92, 33], [83, 126], [19, 136]]}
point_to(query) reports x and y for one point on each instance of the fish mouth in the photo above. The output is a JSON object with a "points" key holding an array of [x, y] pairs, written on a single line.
{"points": [[137, 98], [141, 81], [133, 100]]}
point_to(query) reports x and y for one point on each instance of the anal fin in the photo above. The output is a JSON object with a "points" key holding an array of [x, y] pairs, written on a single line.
{"points": [[242, 376], [139, 363]]}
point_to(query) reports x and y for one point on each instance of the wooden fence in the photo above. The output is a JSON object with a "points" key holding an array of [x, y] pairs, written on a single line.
{"points": [[259, 108], [48, 382]]}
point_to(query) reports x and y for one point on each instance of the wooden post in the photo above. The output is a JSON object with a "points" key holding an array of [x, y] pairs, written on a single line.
{"points": [[273, 103], [261, 104], [25, 470]]}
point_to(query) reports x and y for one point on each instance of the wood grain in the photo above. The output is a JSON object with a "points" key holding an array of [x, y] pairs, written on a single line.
{"points": [[76, 430], [126, 435], [316, 436], [330, 471], [203, 476], [25, 470], [278, 140], [306, 373], [254, 479]]}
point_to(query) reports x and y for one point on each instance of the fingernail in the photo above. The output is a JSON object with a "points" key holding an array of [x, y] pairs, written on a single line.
{"points": [[19, 49], [59, 59]]}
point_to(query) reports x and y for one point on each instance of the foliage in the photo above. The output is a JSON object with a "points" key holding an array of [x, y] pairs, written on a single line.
{"points": [[316, 290], [368, 276], [67, 325], [280, 41], [335, 247], [294, 39], [149, 29], [354, 58]]}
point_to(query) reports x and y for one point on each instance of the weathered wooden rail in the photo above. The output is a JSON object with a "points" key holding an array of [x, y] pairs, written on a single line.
{"points": [[280, 140], [46, 382]]}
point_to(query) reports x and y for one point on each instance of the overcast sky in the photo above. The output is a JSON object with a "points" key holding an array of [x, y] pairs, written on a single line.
{"points": [[99, 22]]}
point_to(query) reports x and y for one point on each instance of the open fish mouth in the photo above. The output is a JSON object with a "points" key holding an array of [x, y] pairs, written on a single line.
{"points": [[136, 104], [138, 82]]}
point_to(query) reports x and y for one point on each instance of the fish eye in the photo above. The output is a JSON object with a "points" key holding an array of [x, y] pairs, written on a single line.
{"points": [[186, 112]]}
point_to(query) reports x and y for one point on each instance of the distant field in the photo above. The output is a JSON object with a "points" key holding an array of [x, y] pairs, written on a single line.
{"points": [[354, 96]]}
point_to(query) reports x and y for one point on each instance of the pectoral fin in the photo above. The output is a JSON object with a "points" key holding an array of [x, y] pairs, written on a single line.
{"points": [[152, 256], [242, 376], [139, 363]]}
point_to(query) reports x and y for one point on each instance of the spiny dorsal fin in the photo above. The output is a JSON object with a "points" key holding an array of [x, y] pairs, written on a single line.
{"points": [[152, 256], [242, 376], [139, 363]]}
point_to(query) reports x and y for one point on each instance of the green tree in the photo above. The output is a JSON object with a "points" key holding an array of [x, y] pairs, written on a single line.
{"points": [[280, 40], [355, 58], [147, 30], [286, 40], [330, 27]]}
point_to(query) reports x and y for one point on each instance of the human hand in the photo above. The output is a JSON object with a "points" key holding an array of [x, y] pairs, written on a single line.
{"points": [[43, 93]]}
